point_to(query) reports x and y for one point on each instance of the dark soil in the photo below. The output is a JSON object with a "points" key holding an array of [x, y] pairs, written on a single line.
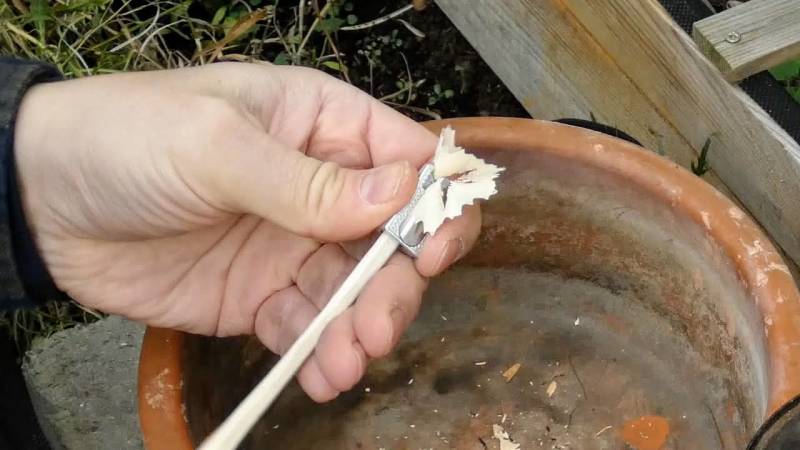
{"points": [[457, 81], [453, 80]]}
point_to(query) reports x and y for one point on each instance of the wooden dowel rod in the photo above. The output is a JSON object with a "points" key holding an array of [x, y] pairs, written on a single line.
{"points": [[236, 426]]}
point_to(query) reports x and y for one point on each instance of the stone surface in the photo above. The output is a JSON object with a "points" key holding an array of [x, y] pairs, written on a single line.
{"points": [[83, 385]]}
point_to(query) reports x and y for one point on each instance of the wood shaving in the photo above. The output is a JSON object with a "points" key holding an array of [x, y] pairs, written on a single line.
{"points": [[511, 372], [606, 428], [430, 208], [470, 178], [505, 442], [551, 388]]}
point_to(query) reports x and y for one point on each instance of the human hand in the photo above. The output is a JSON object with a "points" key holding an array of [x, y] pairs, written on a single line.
{"points": [[230, 199]]}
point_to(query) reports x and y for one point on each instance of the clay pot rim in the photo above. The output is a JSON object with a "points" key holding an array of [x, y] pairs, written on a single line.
{"points": [[760, 267]]}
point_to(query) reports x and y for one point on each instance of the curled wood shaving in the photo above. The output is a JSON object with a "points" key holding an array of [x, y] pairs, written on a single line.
{"points": [[511, 372], [470, 178], [551, 388], [505, 442]]}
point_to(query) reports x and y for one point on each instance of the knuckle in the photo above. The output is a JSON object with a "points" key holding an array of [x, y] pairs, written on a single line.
{"points": [[324, 183]]}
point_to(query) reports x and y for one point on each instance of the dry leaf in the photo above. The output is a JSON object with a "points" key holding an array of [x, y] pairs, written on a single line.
{"points": [[20, 5], [505, 442], [551, 388], [511, 372], [419, 5], [242, 26]]}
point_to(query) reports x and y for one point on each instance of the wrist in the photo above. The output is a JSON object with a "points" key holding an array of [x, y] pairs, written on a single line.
{"points": [[23, 257]]}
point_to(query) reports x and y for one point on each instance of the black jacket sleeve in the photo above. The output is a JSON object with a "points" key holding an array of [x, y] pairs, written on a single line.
{"points": [[24, 279]]}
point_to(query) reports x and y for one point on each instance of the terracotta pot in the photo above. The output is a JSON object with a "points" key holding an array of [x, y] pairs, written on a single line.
{"points": [[642, 305]]}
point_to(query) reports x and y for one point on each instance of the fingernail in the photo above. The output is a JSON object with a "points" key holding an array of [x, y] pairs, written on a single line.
{"points": [[450, 253], [381, 184], [398, 321]]}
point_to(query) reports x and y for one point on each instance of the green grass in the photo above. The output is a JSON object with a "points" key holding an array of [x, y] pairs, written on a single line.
{"points": [[87, 37], [26, 325]]}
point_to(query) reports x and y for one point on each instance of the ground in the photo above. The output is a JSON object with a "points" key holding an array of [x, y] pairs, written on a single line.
{"points": [[87, 400]]}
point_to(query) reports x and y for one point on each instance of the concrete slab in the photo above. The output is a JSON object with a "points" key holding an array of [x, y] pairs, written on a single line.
{"points": [[83, 385]]}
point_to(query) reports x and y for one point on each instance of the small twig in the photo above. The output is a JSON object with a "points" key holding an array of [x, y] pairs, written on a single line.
{"points": [[371, 77], [379, 20], [20, 6], [400, 92], [103, 25], [140, 50], [19, 32], [425, 112], [605, 428], [199, 51], [577, 377], [583, 389], [410, 81], [322, 54], [301, 12], [80, 58], [142, 33], [414, 30], [322, 13], [342, 65]]}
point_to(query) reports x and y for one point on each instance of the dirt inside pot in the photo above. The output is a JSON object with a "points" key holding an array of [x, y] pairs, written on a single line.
{"points": [[629, 323]]}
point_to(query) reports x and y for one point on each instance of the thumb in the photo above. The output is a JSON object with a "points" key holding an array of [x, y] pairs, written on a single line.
{"points": [[310, 197]]}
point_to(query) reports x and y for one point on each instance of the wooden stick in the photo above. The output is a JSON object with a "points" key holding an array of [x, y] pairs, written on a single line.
{"points": [[236, 426], [378, 21]]}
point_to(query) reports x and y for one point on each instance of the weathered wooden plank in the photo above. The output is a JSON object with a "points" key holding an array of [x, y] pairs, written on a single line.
{"points": [[629, 63], [557, 70], [756, 158], [751, 37]]}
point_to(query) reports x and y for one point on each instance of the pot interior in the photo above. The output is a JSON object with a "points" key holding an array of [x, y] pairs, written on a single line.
{"points": [[629, 325]]}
